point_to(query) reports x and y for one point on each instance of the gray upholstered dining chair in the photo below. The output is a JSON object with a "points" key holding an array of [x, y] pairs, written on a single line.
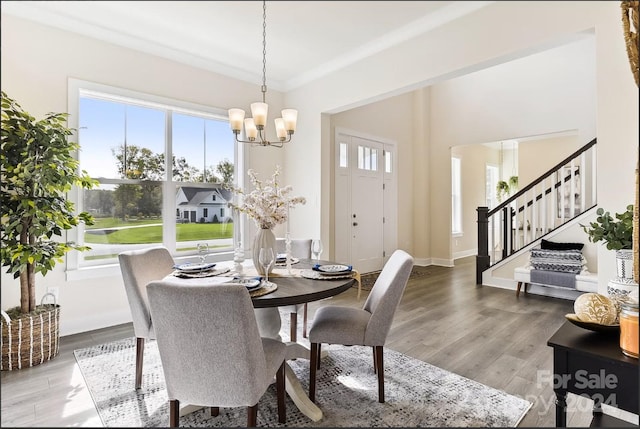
{"points": [[300, 248], [211, 350], [367, 326], [138, 268]]}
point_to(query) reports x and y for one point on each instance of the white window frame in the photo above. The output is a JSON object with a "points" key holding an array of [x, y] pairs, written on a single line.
{"points": [[75, 88]]}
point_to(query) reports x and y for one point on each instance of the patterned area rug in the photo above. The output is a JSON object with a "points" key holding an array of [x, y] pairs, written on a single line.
{"points": [[416, 393]]}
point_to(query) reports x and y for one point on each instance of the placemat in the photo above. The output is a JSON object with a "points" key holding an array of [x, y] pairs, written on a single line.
{"points": [[263, 290]]}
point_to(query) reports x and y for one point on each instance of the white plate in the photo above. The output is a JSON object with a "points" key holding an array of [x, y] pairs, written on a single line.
{"points": [[194, 267], [317, 275], [334, 269], [248, 282]]}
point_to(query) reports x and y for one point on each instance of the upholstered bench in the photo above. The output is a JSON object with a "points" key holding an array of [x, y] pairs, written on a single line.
{"points": [[585, 281]]}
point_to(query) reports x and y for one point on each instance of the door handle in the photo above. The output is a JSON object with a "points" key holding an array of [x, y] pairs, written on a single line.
{"points": [[355, 223]]}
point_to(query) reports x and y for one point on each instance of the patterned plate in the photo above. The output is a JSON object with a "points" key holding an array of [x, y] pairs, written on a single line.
{"points": [[249, 282], [317, 275], [192, 267], [199, 274]]}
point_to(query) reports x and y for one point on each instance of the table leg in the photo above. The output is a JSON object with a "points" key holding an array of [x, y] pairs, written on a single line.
{"points": [[561, 408], [269, 325]]}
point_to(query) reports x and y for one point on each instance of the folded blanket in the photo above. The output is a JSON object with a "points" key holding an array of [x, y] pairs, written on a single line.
{"points": [[553, 278], [565, 261]]}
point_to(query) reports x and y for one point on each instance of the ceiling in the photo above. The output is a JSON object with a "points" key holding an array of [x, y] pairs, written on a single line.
{"points": [[305, 39]]}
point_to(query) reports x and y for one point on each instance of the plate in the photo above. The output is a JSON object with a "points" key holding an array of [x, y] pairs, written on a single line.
{"points": [[317, 275], [333, 269], [202, 273], [596, 327], [194, 267], [249, 282], [283, 263]]}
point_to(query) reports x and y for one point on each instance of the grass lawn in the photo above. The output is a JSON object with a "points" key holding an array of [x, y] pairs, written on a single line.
{"points": [[115, 231]]}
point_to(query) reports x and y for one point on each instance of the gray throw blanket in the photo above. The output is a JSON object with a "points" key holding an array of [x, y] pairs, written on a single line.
{"points": [[553, 278]]}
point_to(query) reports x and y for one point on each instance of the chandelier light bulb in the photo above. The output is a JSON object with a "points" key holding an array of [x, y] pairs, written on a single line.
{"points": [[290, 117]]}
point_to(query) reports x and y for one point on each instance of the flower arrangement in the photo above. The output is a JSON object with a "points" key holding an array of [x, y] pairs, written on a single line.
{"points": [[268, 204]]}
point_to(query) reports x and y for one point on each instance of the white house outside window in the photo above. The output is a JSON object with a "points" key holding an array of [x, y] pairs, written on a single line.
{"points": [[161, 168]]}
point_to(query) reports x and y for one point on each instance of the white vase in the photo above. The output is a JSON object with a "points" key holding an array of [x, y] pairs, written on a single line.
{"points": [[264, 238]]}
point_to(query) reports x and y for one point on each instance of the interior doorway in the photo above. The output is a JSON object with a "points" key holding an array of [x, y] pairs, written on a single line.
{"points": [[365, 200]]}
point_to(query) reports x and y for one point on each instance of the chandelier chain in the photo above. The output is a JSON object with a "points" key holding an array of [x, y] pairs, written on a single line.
{"points": [[264, 50]]}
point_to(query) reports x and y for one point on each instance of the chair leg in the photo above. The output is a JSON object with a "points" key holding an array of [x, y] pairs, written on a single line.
{"points": [[282, 411], [304, 320], [518, 289], [215, 411], [312, 371], [252, 416], [319, 355], [139, 359], [174, 413], [293, 333], [380, 366], [375, 363]]}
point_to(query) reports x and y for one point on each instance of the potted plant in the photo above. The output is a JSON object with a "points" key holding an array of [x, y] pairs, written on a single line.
{"points": [[617, 234], [38, 168], [502, 189]]}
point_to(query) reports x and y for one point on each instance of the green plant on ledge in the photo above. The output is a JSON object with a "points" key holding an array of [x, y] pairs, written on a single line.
{"points": [[616, 233], [38, 169]]}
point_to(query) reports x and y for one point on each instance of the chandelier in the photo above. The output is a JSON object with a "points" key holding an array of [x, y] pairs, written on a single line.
{"points": [[254, 128]]}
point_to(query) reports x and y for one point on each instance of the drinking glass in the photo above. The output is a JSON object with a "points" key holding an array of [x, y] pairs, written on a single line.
{"points": [[203, 252], [316, 249], [266, 259]]}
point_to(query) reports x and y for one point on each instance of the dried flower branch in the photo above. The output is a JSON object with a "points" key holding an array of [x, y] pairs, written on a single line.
{"points": [[268, 203]]}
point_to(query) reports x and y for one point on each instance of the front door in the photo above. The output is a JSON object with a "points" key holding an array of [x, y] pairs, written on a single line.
{"points": [[362, 201]]}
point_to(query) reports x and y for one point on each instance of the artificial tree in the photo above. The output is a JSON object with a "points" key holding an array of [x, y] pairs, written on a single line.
{"points": [[38, 169]]}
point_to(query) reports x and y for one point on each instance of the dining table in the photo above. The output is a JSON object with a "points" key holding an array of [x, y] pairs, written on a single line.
{"points": [[289, 285]]}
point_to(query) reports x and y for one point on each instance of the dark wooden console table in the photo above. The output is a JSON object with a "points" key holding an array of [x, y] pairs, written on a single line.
{"points": [[591, 364]]}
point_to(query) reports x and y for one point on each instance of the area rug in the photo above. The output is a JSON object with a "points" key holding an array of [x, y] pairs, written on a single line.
{"points": [[416, 393]]}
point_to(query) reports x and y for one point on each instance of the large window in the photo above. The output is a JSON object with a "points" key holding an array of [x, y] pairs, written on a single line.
{"points": [[162, 168]]}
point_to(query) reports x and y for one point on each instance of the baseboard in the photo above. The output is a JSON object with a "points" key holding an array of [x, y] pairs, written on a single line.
{"points": [[422, 262], [464, 253], [441, 262]]}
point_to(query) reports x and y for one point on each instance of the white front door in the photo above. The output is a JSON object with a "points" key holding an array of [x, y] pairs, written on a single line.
{"points": [[362, 204]]}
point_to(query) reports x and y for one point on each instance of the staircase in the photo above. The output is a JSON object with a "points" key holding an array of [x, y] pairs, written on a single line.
{"points": [[554, 199]]}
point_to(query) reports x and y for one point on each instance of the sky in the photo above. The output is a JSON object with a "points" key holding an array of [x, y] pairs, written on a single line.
{"points": [[102, 129]]}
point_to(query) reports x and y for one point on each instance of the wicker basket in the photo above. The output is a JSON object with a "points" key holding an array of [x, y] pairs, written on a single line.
{"points": [[31, 339]]}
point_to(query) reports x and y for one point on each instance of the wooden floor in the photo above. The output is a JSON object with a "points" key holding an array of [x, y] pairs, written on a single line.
{"points": [[483, 333]]}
